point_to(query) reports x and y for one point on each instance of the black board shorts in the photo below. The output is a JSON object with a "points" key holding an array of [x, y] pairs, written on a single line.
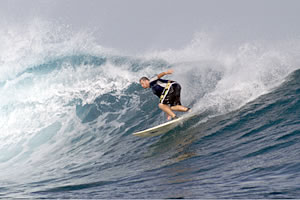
{"points": [[173, 96]]}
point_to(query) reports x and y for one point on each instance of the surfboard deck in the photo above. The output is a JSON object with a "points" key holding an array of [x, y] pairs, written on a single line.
{"points": [[165, 127]]}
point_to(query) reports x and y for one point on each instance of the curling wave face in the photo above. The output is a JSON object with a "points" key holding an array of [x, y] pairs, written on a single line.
{"points": [[69, 107]]}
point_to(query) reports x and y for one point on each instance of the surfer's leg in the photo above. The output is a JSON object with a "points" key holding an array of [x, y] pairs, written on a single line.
{"points": [[169, 117], [175, 100], [167, 110], [180, 108]]}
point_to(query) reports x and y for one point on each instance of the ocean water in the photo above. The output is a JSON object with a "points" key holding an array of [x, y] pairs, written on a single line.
{"points": [[69, 106]]}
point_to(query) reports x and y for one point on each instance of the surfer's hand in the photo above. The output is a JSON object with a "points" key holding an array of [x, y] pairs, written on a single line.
{"points": [[169, 71]]}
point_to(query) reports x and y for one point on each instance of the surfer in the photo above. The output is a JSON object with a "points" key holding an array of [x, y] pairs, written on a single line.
{"points": [[168, 92]]}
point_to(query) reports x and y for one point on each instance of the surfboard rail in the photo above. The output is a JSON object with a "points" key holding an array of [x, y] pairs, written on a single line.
{"points": [[163, 128]]}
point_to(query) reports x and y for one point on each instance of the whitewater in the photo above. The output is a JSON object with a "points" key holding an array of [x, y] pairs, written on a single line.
{"points": [[69, 106]]}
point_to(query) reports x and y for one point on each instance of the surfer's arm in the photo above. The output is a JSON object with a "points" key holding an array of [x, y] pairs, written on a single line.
{"points": [[170, 71]]}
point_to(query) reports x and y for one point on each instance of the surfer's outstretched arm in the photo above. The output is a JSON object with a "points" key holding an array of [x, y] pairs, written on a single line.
{"points": [[169, 71]]}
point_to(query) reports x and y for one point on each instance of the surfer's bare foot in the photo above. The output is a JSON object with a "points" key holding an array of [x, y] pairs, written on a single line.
{"points": [[169, 117], [174, 117]]}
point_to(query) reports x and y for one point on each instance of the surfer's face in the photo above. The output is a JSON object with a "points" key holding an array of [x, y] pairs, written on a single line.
{"points": [[145, 83]]}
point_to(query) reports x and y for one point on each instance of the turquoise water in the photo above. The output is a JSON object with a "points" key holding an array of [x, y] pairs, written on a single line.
{"points": [[68, 109]]}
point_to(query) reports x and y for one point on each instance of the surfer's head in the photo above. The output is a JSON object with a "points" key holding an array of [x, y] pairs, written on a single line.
{"points": [[145, 82]]}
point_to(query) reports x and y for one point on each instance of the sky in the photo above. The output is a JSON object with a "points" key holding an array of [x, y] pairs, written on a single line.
{"points": [[141, 25]]}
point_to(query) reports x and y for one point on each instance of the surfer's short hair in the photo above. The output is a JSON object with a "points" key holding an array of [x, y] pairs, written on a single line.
{"points": [[144, 79]]}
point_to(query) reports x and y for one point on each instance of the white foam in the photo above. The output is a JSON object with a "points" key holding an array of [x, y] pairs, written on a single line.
{"points": [[27, 45], [32, 101], [246, 70]]}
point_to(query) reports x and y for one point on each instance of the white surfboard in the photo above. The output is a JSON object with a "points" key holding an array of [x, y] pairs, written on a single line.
{"points": [[163, 128]]}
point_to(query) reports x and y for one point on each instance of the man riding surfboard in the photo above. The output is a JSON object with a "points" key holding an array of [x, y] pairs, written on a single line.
{"points": [[168, 92]]}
